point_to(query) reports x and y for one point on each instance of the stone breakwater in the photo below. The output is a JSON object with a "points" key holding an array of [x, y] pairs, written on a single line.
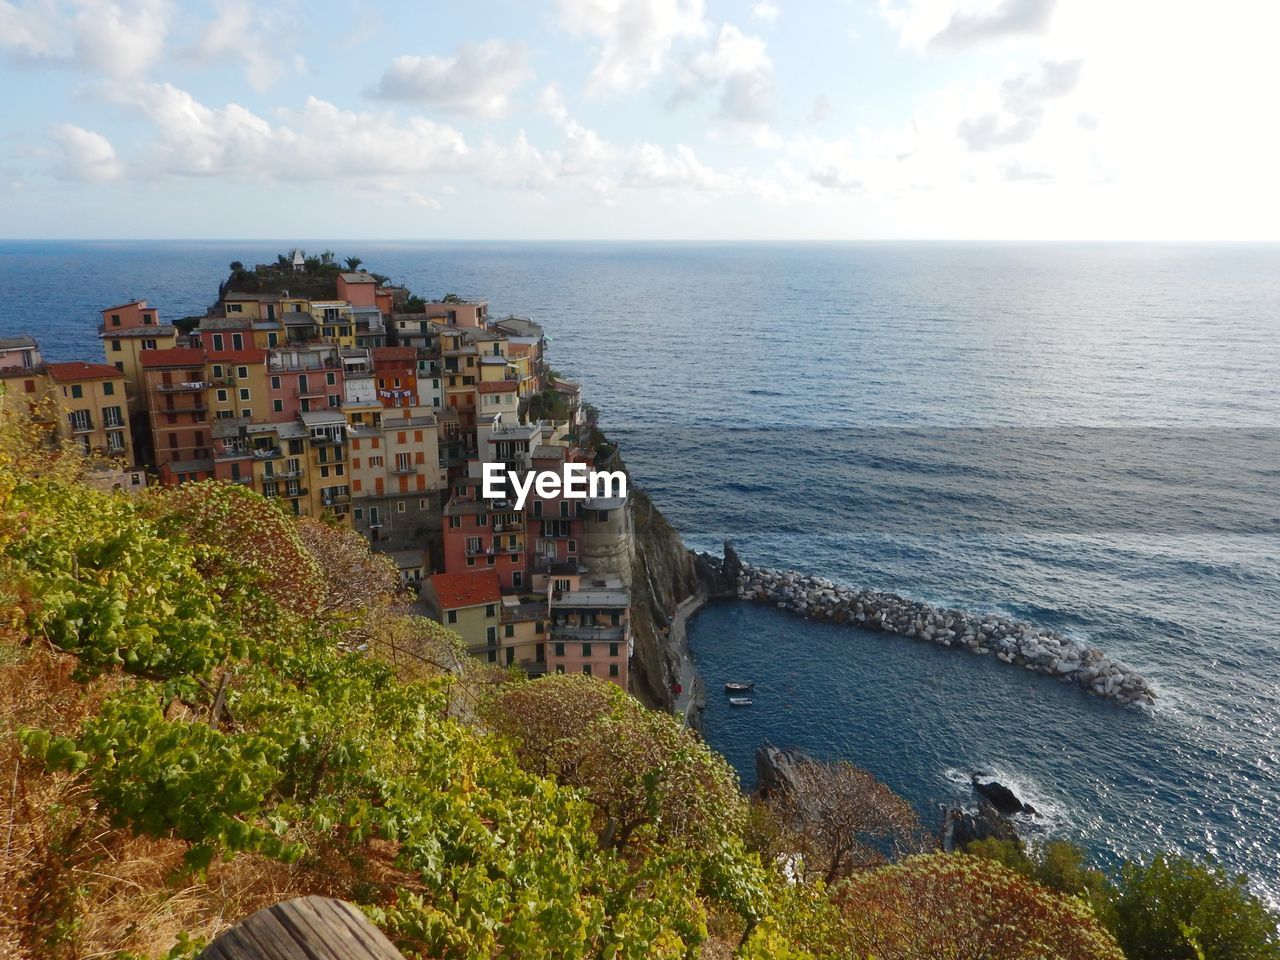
{"points": [[1010, 641]]}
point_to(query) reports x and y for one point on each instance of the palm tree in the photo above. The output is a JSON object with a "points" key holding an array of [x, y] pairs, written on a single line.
{"points": [[353, 263]]}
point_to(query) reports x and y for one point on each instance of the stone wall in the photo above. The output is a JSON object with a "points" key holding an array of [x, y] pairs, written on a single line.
{"points": [[1013, 642]]}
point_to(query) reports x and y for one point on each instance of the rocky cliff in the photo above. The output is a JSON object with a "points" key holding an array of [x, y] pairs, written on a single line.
{"points": [[663, 575]]}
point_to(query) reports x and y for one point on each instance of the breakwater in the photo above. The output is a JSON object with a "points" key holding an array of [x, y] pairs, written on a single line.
{"points": [[1010, 641]]}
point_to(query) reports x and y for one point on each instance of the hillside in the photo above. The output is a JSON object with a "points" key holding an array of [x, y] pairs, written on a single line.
{"points": [[209, 706]]}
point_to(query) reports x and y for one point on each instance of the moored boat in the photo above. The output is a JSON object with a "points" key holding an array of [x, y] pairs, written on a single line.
{"points": [[739, 686], [739, 701]]}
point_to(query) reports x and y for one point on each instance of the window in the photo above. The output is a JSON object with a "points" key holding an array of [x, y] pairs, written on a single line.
{"points": [[586, 649], [277, 406], [115, 441], [613, 649], [375, 461], [509, 630], [424, 504], [222, 396], [148, 344], [80, 420], [613, 669], [115, 346], [246, 412], [217, 341], [491, 635], [29, 386], [244, 393], [275, 383], [451, 616], [111, 417], [237, 341], [454, 522], [120, 365], [539, 627], [559, 649], [329, 379], [404, 462], [115, 319], [559, 668], [399, 506], [333, 400], [586, 668], [358, 512], [242, 373], [511, 655], [108, 388], [77, 391], [490, 610], [272, 340], [573, 546]]}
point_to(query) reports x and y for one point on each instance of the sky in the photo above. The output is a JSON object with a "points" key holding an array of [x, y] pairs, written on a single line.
{"points": [[641, 119]]}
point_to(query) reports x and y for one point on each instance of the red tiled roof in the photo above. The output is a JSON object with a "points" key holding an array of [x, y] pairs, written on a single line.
{"points": [[247, 355], [456, 590], [177, 357], [395, 353], [497, 386], [79, 370]]}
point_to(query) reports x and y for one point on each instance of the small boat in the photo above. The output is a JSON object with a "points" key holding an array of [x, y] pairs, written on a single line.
{"points": [[739, 701], [739, 686]]}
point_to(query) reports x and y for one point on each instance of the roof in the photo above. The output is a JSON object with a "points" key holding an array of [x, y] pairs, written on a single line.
{"points": [[247, 355], [16, 343], [140, 304], [497, 386], [596, 597], [79, 370], [492, 360], [358, 277], [456, 590], [241, 322], [395, 353], [151, 331], [322, 418], [235, 295], [175, 357]]}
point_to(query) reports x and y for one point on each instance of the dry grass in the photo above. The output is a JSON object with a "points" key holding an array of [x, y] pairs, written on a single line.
{"points": [[71, 885]]}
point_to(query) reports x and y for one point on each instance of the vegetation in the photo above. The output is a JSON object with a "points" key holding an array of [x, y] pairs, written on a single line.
{"points": [[317, 279], [208, 705]]}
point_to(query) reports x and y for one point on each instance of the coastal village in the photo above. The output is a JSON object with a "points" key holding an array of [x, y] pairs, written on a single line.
{"points": [[337, 394]]}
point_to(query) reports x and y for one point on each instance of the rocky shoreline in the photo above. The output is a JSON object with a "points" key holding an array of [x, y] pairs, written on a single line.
{"points": [[1010, 641]]}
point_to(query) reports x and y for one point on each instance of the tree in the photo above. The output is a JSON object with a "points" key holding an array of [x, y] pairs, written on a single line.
{"points": [[451, 298], [237, 266], [841, 818], [958, 907], [353, 263], [1175, 909], [1058, 865]]}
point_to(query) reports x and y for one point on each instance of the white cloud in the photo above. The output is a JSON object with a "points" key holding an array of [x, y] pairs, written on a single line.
{"points": [[1024, 99], [740, 68], [766, 12], [85, 155], [257, 36], [476, 81], [116, 39], [634, 36], [960, 24]]}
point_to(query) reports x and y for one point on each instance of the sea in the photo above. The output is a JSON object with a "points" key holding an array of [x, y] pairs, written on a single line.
{"points": [[1082, 436]]}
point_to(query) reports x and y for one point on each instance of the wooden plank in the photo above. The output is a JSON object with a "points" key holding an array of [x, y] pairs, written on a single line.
{"points": [[307, 928]]}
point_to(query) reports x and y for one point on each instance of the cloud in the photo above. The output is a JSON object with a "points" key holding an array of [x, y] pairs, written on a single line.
{"points": [[477, 81], [1009, 18], [635, 36], [653, 166], [1023, 98], [740, 68], [119, 40], [820, 109], [765, 12], [87, 156], [257, 36]]}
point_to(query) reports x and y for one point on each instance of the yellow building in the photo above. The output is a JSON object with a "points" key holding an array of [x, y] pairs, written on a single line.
{"points": [[468, 603], [90, 408]]}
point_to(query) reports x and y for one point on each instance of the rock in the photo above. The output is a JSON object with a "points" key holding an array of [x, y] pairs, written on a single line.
{"points": [[1001, 797]]}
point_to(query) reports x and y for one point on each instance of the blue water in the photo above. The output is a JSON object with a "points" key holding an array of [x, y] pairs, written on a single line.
{"points": [[1078, 435]]}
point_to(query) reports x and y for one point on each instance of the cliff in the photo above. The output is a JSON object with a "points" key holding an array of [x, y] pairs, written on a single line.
{"points": [[663, 576]]}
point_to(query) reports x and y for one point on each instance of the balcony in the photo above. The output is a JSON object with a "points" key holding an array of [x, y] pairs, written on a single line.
{"points": [[310, 393], [404, 471], [192, 386], [597, 634], [247, 481], [335, 499], [266, 453], [79, 428], [284, 475]]}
